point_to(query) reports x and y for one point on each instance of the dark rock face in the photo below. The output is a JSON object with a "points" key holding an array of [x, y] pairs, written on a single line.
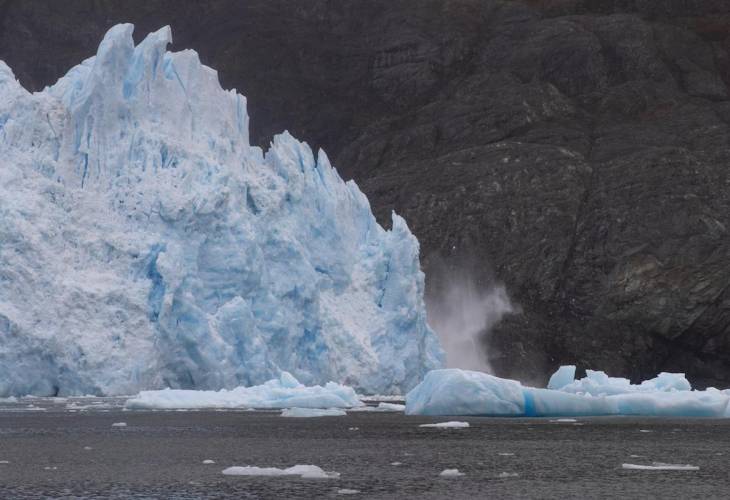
{"points": [[578, 149]]}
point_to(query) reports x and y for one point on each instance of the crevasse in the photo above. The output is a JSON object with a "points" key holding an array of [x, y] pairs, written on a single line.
{"points": [[144, 243]]}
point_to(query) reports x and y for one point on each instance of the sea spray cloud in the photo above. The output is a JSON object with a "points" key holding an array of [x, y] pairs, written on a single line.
{"points": [[463, 311]]}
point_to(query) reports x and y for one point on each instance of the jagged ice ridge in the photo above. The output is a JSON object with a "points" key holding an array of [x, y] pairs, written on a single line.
{"points": [[144, 243]]}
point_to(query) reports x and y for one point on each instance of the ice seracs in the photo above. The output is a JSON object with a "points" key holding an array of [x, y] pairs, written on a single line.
{"points": [[145, 243], [462, 392]]}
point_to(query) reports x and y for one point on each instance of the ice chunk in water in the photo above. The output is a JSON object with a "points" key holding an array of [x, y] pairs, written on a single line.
{"points": [[462, 392], [451, 473], [284, 392], [304, 471], [659, 466], [312, 412], [447, 425]]}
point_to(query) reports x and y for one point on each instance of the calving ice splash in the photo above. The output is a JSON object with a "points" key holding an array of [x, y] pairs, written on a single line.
{"points": [[144, 243]]}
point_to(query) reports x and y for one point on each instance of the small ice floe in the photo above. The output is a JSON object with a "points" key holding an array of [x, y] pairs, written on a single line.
{"points": [[312, 412], [381, 397], [353, 428], [347, 491], [564, 421], [10, 399], [382, 407], [50, 468], [34, 408], [451, 473], [396, 463], [636, 456], [504, 475], [304, 471], [447, 425], [208, 461], [506, 454], [88, 448], [644, 430], [4, 462], [660, 466], [119, 424]]}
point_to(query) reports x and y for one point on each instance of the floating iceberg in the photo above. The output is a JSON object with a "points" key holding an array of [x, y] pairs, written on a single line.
{"points": [[381, 408], [462, 392], [284, 392], [145, 243], [659, 466], [451, 473], [447, 425], [304, 471], [312, 412]]}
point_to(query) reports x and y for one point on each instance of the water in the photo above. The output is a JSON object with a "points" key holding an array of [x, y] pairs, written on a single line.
{"points": [[159, 455]]}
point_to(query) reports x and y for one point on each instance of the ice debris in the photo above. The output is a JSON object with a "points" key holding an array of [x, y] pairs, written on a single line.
{"points": [[283, 392], [447, 425], [451, 473], [304, 471], [313, 412], [147, 244], [462, 392], [659, 466], [382, 407]]}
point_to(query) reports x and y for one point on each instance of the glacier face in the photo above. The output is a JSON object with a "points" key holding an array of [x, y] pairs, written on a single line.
{"points": [[144, 243]]}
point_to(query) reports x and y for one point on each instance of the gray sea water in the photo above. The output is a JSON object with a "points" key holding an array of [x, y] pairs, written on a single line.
{"points": [[69, 449]]}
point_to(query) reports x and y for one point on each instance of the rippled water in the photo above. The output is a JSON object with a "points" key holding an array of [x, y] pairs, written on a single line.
{"points": [[69, 448]]}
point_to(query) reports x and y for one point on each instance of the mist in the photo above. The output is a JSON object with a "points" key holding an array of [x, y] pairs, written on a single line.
{"points": [[462, 312]]}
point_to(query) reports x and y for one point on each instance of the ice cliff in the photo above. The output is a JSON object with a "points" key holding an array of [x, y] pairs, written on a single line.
{"points": [[144, 243]]}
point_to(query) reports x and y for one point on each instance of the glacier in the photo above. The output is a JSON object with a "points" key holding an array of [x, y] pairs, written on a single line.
{"points": [[146, 244], [463, 392]]}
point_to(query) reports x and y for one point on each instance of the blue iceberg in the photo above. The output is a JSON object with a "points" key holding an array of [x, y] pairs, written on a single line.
{"points": [[463, 392], [145, 243]]}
